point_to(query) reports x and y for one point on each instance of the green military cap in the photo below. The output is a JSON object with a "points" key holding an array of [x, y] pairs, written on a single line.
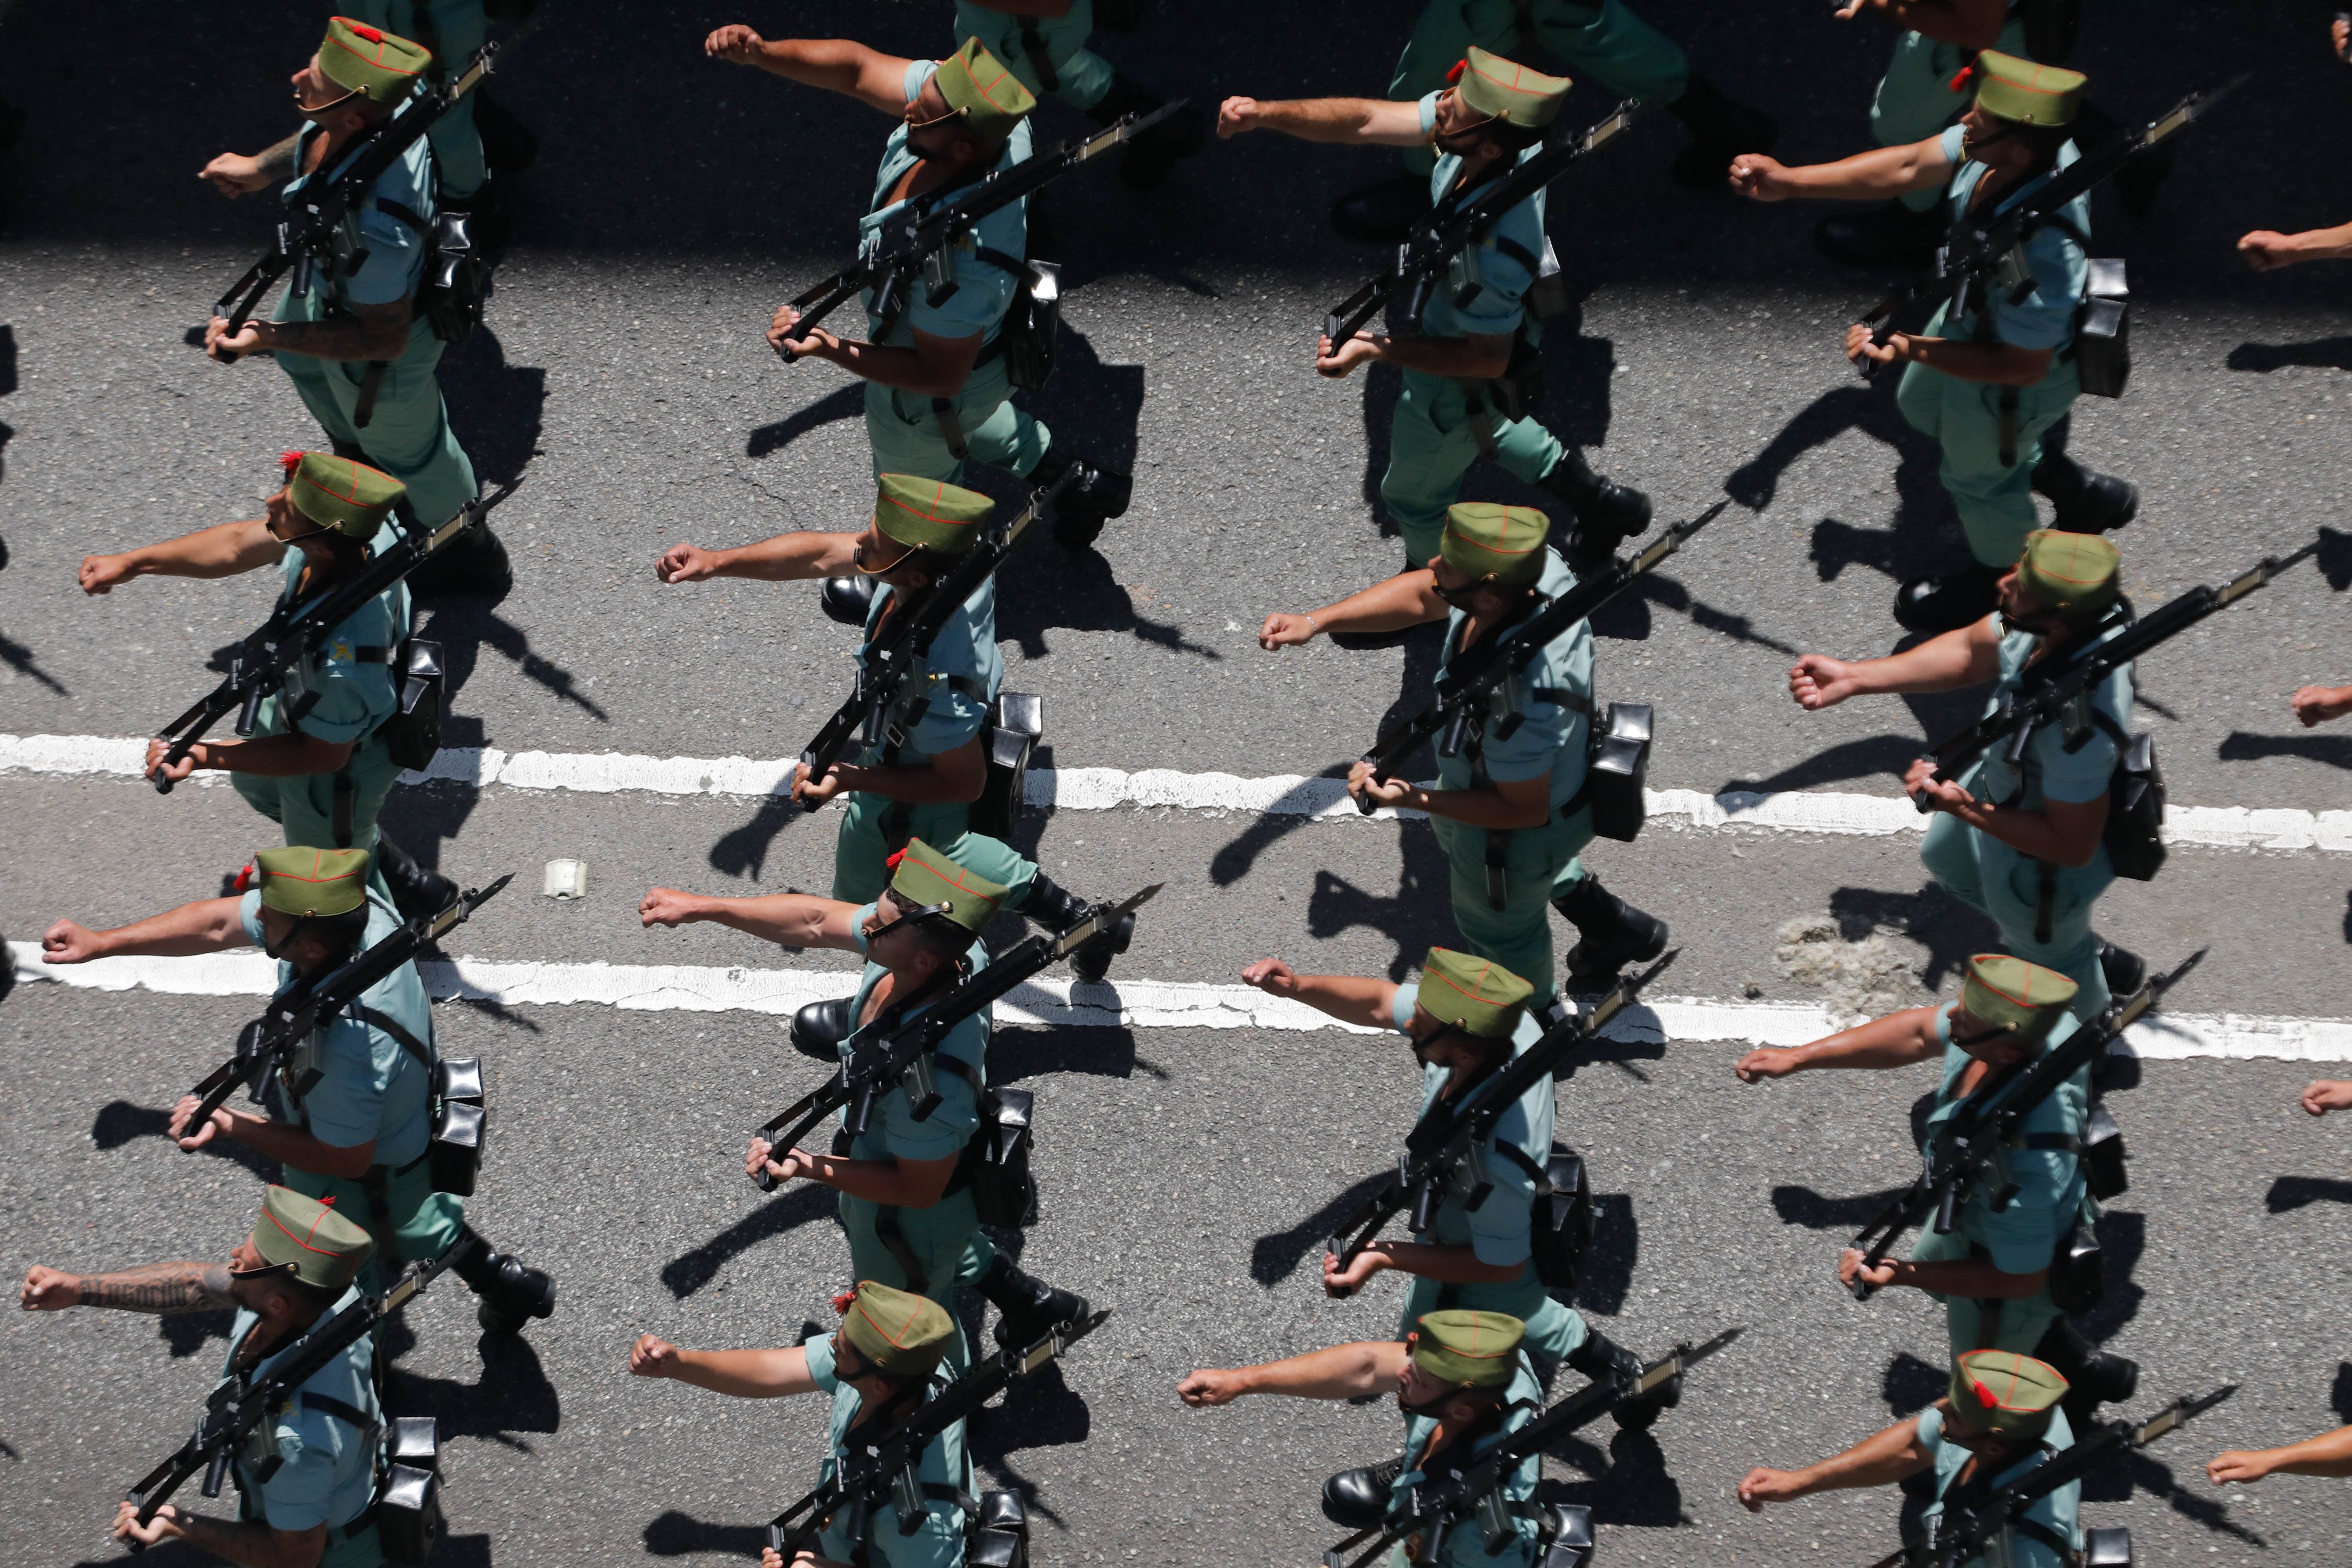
{"points": [[897, 1331], [930, 515], [1469, 1350], [1475, 994], [1484, 538], [2010, 994], [323, 1248], [369, 60], [2080, 574], [924, 876], [340, 493], [1505, 89], [2007, 1394], [977, 87], [2025, 93], [300, 881]]}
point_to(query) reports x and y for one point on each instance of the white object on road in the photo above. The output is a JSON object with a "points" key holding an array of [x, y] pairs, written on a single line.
{"points": [[566, 879]]}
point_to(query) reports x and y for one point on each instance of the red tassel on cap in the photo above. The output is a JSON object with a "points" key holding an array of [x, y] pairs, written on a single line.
{"points": [[248, 878], [1454, 76], [1984, 1395], [289, 461], [1960, 82], [370, 34], [841, 1303], [892, 861]]}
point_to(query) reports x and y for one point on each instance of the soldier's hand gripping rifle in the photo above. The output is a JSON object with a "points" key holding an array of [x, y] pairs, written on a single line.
{"points": [[245, 1401], [2051, 686], [1981, 241], [1988, 1121], [1451, 1134], [916, 248], [1422, 260], [884, 1056], [887, 1466], [1461, 697], [294, 631], [905, 640], [269, 1043], [306, 234], [1453, 1492], [1966, 1527]]}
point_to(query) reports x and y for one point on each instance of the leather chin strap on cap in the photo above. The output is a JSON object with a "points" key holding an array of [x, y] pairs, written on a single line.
{"points": [[928, 911]]}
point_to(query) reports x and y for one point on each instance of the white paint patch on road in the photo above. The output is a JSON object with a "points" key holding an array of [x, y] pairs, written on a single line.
{"points": [[1129, 1004]]}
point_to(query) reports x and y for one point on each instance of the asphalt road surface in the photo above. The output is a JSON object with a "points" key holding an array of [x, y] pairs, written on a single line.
{"points": [[1188, 1172]]}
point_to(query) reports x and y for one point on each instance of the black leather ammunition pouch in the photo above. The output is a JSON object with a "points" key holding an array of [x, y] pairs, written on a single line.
{"points": [[1031, 333], [413, 733], [408, 1503], [999, 1532], [455, 1155], [1016, 721], [1619, 768], [1566, 1535], [2077, 1271], [995, 1162], [1519, 390], [1560, 1226], [2103, 332], [455, 281], [2135, 832], [2110, 1547], [2104, 1156]]}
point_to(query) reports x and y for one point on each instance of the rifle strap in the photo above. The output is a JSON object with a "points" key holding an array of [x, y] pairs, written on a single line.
{"points": [[2005, 422], [1523, 28], [2045, 903], [340, 1411], [1481, 418], [886, 1229], [2042, 1533], [344, 788], [369, 384], [943, 409], [1525, 1162], [419, 1049], [1032, 44]]}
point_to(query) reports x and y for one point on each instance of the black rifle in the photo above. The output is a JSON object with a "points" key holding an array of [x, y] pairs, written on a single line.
{"points": [[244, 1402], [1452, 226], [1452, 1490], [888, 1465], [1979, 242], [295, 630], [268, 1044], [306, 235], [905, 639], [1954, 1160], [1450, 1133], [2049, 687], [913, 247], [1475, 671], [893, 1051], [1966, 1529]]}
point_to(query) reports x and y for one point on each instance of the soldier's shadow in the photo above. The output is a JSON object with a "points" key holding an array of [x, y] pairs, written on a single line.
{"points": [[675, 1533], [1950, 930], [2322, 353], [1043, 587], [1275, 1256], [2239, 746], [498, 409], [842, 403], [1876, 757], [1925, 536], [119, 1121], [1627, 1485], [1016, 1054], [19, 658], [690, 1271], [512, 1394]]}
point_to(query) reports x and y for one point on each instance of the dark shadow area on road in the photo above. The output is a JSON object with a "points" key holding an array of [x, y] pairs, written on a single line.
{"points": [[2339, 1397], [675, 1534], [512, 1396], [1608, 1276], [843, 402], [188, 1332], [2322, 353], [21, 659], [2334, 558], [1384, 384], [2123, 1241], [1098, 1050], [743, 851], [1626, 618], [2289, 1194], [2239, 746], [1949, 930], [1410, 916], [1876, 757], [119, 1121], [498, 409], [690, 1271], [2114, 1483], [1275, 1256], [1802, 1205], [1631, 1487], [1043, 587], [1093, 409], [1911, 1384], [170, 1554]]}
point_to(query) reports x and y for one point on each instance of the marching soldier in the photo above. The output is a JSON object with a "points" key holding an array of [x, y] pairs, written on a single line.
{"points": [[1992, 1270], [1510, 810], [879, 1364], [2023, 845], [306, 1491], [936, 388], [1044, 43], [1989, 386], [359, 1137], [922, 786], [1606, 42], [904, 1205], [358, 351], [1998, 1421], [317, 763], [1458, 367], [452, 32], [1466, 1018]]}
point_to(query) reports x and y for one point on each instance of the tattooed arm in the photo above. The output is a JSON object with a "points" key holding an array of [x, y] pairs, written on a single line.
{"points": [[155, 1288]]}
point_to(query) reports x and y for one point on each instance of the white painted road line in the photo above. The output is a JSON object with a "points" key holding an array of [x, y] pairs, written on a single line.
{"points": [[1132, 1003], [1110, 789]]}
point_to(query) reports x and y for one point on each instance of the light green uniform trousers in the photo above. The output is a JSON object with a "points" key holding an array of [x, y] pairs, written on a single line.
{"points": [[1916, 99], [1080, 75], [945, 1241], [453, 30], [1541, 864], [304, 805], [1974, 1325], [1995, 499], [905, 430], [413, 1222], [1432, 441], [871, 833], [1607, 44], [1554, 1328], [407, 434], [1988, 875]]}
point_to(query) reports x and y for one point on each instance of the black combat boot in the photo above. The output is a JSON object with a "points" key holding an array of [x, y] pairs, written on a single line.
{"points": [[1606, 512], [848, 600], [1383, 211], [1027, 1309], [1947, 604], [1601, 1360], [1720, 131], [2086, 500], [819, 1029], [1057, 908], [1890, 236], [511, 1292], [2123, 970], [1612, 934], [1358, 1498], [415, 891], [1150, 156], [1098, 495], [2094, 1376]]}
